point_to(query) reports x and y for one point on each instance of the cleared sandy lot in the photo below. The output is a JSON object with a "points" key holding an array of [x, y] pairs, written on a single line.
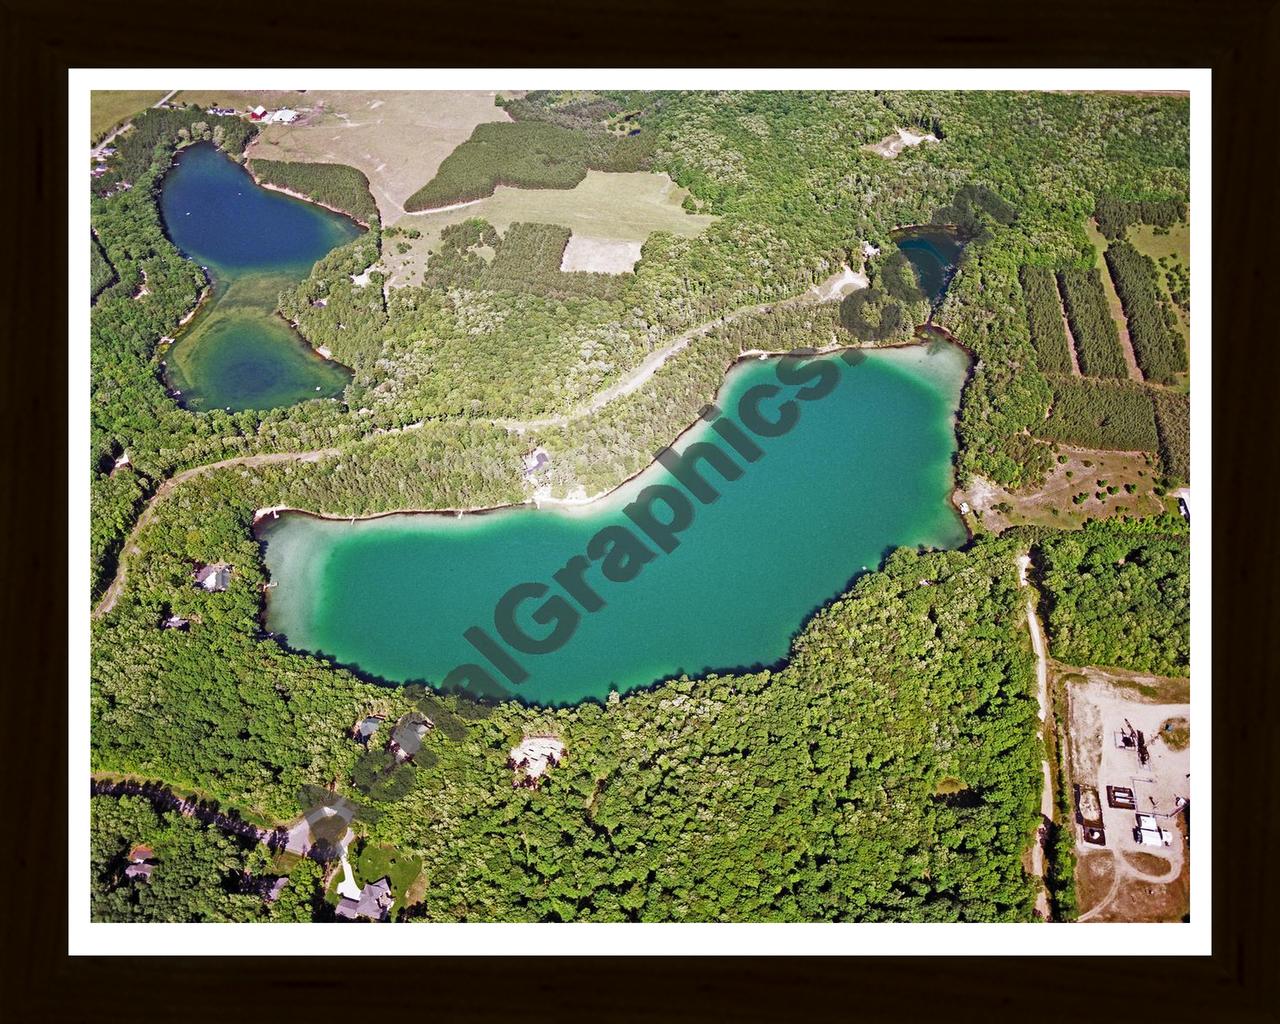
{"points": [[398, 139], [602, 255], [892, 145], [1125, 880]]}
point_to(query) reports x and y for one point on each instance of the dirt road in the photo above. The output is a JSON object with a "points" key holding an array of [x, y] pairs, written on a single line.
{"points": [[130, 545]]}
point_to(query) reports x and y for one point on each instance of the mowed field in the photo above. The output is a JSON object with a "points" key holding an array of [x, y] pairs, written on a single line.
{"points": [[108, 108], [609, 214], [398, 139]]}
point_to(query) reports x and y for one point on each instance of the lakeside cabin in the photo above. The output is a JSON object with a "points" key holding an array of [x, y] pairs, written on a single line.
{"points": [[213, 578]]}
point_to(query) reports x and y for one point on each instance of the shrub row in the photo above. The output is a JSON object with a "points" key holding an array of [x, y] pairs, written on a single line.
{"points": [[1092, 325], [1157, 346], [101, 273]]}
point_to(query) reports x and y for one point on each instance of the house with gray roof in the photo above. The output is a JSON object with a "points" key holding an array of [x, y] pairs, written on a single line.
{"points": [[213, 577], [374, 903]]}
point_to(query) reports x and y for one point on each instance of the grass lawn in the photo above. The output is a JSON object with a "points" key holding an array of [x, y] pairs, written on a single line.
{"points": [[111, 107], [377, 861], [605, 207]]}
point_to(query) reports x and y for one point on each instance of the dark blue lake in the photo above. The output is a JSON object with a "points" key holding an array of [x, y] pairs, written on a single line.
{"points": [[933, 253], [238, 353]]}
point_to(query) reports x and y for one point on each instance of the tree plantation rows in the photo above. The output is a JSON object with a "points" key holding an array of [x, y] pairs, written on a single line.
{"points": [[1157, 345], [1044, 319], [524, 154], [1101, 414], [1092, 325], [1115, 216], [1173, 424]]}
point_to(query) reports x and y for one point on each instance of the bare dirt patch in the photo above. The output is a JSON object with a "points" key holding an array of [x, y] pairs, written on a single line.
{"points": [[1095, 874], [1137, 900], [601, 255], [890, 146], [398, 139], [1147, 863], [1050, 503]]}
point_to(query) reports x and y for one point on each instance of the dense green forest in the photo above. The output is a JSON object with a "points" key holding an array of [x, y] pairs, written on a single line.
{"points": [[1119, 594], [1092, 325], [335, 185], [164, 128], [1157, 346], [1101, 414], [1173, 424], [1044, 319], [822, 776], [198, 872], [807, 793], [101, 273]]}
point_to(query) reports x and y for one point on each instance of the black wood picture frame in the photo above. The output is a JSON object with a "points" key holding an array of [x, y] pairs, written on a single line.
{"points": [[1238, 39]]}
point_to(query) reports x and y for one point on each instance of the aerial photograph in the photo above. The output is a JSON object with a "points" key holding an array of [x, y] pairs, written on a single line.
{"points": [[672, 506]]}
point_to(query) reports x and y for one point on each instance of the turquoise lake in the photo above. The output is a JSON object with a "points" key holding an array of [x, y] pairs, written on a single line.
{"points": [[865, 469], [237, 353]]}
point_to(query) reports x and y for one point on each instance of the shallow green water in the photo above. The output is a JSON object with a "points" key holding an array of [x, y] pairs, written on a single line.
{"points": [[865, 469], [238, 353]]}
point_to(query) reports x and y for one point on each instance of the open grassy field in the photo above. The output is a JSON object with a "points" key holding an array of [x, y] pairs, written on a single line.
{"points": [[398, 139], [110, 107], [606, 208]]}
